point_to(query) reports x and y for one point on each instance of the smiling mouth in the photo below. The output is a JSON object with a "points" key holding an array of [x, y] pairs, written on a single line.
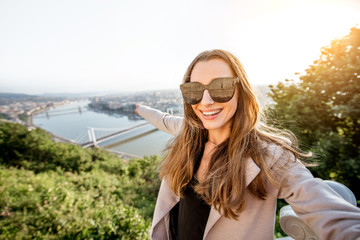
{"points": [[211, 113]]}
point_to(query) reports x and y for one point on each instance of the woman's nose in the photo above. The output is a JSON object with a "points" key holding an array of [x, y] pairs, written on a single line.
{"points": [[206, 99]]}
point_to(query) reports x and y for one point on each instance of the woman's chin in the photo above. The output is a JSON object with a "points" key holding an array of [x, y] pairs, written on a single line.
{"points": [[210, 126], [216, 125]]}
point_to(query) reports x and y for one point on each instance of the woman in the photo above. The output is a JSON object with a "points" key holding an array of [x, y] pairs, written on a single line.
{"points": [[225, 170]]}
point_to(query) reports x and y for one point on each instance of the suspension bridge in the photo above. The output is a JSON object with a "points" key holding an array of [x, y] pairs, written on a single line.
{"points": [[58, 112], [94, 136], [112, 133]]}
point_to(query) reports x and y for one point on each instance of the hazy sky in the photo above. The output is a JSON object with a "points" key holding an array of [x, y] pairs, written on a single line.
{"points": [[106, 45]]}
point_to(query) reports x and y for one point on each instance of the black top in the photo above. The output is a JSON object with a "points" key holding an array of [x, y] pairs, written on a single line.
{"points": [[188, 217]]}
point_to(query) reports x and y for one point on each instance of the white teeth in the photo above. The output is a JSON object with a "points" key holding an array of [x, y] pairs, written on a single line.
{"points": [[211, 113]]}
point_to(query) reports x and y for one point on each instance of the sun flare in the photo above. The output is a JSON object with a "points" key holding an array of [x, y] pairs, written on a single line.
{"points": [[292, 35]]}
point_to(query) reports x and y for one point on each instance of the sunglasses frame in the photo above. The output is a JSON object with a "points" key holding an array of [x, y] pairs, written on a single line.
{"points": [[184, 90]]}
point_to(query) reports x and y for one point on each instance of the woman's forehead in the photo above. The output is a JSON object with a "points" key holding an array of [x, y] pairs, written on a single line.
{"points": [[205, 71]]}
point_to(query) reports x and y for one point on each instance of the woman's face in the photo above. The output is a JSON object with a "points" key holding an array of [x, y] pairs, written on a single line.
{"points": [[214, 115]]}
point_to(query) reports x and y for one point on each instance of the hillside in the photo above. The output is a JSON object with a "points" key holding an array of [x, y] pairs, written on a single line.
{"points": [[54, 190]]}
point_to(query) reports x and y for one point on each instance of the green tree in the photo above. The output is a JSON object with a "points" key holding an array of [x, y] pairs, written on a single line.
{"points": [[323, 110]]}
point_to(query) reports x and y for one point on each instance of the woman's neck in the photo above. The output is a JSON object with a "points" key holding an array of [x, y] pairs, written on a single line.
{"points": [[217, 136]]}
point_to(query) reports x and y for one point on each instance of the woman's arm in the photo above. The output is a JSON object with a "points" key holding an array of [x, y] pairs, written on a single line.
{"points": [[326, 212], [160, 120]]}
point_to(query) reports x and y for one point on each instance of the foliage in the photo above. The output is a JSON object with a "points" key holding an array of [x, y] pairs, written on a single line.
{"points": [[323, 110], [35, 150], [4, 116], [145, 182], [23, 117], [54, 205], [54, 190]]}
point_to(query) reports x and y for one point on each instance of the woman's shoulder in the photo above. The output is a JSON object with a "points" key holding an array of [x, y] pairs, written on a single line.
{"points": [[278, 152]]}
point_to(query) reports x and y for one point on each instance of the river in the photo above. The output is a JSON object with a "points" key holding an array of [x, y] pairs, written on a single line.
{"points": [[73, 120]]}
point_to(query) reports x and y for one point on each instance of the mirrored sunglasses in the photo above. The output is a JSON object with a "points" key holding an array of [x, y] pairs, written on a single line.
{"points": [[220, 89]]}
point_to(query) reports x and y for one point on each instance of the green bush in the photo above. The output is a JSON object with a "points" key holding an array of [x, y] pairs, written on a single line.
{"points": [[36, 151], [145, 183], [57, 205]]}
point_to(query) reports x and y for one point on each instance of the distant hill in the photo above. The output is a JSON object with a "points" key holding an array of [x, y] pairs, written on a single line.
{"points": [[50, 95], [9, 98], [15, 95], [71, 95]]}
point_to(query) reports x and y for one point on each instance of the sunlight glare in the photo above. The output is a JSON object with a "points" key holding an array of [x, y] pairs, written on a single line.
{"points": [[291, 37]]}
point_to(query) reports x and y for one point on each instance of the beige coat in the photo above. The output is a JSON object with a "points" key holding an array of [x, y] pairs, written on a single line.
{"points": [[318, 205]]}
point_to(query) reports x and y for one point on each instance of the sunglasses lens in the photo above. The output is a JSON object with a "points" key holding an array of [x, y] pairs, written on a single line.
{"points": [[192, 92], [192, 97], [222, 89]]}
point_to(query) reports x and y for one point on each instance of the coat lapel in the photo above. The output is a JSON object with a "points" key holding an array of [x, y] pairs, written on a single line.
{"points": [[251, 171], [165, 202]]}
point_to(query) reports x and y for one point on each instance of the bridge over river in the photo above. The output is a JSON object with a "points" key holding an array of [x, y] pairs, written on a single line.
{"points": [[77, 125], [94, 141], [95, 136]]}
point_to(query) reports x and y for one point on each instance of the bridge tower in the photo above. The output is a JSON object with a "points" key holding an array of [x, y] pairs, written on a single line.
{"points": [[92, 137]]}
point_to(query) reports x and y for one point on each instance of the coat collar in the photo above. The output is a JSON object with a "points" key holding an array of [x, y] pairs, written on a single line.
{"points": [[167, 199]]}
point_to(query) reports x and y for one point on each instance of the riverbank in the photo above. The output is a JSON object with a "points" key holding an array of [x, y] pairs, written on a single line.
{"points": [[124, 156], [36, 111]]}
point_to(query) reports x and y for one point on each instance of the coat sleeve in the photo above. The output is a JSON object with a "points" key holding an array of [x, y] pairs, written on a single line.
{"points": [[319, 206], [163, 121]]}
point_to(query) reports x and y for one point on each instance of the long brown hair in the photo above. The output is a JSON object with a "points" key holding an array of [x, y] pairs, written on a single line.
{"points": [[224, 185]]}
